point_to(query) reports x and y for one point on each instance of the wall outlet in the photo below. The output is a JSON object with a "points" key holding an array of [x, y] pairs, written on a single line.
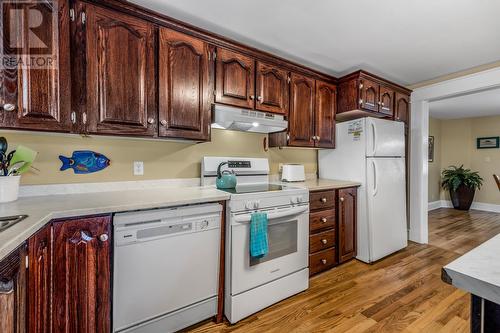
{"points": [[138, 168]]}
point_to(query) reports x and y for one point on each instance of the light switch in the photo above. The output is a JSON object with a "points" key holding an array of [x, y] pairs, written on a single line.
{"points": [[138, 168]]}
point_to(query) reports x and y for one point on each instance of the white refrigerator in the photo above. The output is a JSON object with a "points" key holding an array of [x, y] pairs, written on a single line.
{"points": [[372, 152]]}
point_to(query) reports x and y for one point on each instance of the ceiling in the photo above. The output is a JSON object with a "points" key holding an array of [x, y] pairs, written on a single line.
{"points": [[406, 41], [481, 104]]}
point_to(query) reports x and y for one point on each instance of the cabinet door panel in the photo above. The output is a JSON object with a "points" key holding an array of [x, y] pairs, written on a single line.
{"points": [[13, 292], [120, 74], [301, 118], [82, 275], [347, 224], [386, 100], [186, 85], [402, 108], [39, 93], [369, 95], [326, 104], [272, 89], [235, 79], [39, 280]]}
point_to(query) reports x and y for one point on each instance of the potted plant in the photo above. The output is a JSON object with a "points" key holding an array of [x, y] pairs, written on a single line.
{"points": [[462, 184]]}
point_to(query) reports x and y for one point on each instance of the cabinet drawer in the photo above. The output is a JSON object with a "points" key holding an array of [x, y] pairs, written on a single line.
{"points": [[322, 220], [321, 261], [322, 200], [322, 241]]}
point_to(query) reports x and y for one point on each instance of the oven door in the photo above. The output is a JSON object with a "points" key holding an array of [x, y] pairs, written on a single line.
{"points": [[288, 236]]}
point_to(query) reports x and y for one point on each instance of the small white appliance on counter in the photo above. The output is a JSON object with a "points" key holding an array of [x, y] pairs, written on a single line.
{"points": [[372, 152], [166, 268], [293, 173], [253, 284]]}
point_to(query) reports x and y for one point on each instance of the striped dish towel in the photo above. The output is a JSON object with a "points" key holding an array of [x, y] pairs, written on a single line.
{"points": [[259, 246]]}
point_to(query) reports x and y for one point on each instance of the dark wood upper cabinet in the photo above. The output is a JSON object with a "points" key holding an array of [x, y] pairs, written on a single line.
{"points": [[369, 95], [40, 280], [36, 96], [402, 108], [185, 85], [362, 94], [271, 89], [386, 100], [325, 109], [13, 292], [82, 275], [120, 74], [301, 116], [347, 223], [235, 79]]}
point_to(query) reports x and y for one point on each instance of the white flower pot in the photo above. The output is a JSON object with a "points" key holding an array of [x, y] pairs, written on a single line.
{"points": [[9, 188]]}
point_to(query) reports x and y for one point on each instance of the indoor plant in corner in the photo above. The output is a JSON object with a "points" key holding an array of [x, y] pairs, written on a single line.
{"points": [[462, 184]]}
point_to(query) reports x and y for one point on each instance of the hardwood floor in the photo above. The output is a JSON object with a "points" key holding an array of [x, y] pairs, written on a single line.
{"points": [[401, 293]]}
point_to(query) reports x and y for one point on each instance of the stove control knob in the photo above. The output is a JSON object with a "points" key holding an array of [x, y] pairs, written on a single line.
{"points": [[249, 205], [293, 200], [256, 204], [299, 199]]}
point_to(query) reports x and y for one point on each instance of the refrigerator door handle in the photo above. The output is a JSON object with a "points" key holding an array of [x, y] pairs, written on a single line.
{"points": [[375, 182], [374, 135]]}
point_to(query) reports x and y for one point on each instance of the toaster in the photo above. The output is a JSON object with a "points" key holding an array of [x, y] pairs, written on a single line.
{"points": [[293, 173]]}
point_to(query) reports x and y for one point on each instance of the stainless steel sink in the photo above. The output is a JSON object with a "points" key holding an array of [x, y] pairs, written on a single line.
{"points": [[8, 221]]}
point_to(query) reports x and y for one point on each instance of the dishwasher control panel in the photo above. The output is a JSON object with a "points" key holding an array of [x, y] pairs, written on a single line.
{"points": [[162, 224]]}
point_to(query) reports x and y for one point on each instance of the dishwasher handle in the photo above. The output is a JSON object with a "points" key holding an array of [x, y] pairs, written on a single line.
{"points": [[245, 218]]}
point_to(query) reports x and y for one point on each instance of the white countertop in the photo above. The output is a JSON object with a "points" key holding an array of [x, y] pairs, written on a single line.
{"points": [[478, 271], [42, 209], [318, 184]]}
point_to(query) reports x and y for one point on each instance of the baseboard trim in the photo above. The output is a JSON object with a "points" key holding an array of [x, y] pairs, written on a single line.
{"points": [[487, 207], [434, 205]]}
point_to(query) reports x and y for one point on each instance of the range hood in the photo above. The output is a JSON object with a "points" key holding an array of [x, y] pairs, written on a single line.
{"points": [[236, 119]]}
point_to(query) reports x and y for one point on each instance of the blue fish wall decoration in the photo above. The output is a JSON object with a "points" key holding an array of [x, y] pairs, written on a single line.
{"points": [[84, 161]]}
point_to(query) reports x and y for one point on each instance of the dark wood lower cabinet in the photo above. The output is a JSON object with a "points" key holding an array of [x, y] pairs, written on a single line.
{"points": [[13, 292], [332, 228], [347, 200], [39, 280], [82, 275], [60, 280]]}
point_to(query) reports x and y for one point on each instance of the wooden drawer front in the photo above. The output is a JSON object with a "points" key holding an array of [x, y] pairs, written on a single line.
{"points": [[321, 261], [322, 220], [322, 241], [322, 200]]}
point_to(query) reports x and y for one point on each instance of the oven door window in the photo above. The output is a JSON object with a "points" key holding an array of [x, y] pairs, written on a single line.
{"points": [[282, 239]]}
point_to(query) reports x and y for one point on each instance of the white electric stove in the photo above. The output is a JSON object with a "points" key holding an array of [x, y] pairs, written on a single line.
{"points": [[254, 284]]}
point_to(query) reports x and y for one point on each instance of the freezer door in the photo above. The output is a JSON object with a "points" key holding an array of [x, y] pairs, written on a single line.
{"points": [[384, 138], [386, 206]]}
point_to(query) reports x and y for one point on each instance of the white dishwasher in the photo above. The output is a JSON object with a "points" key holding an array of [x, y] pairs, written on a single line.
{"points": [[166, 267]]}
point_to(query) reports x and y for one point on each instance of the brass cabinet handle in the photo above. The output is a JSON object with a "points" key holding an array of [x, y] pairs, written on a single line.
{"points": [[151, 120], [360, 101], [260, 98], [323, 261], [324, 241], [252, 97], [103, 237], [323, 200], [317, 138], [323, 219], [9, 107], [342, 199], [163, 122]]}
